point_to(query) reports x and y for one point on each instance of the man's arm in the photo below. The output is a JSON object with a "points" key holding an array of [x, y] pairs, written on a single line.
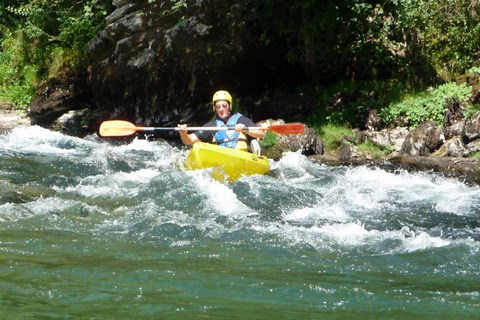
{"points": [[246, 122], [186, 138]]}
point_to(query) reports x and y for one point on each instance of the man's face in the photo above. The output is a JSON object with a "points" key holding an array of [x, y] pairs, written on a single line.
{"points": [[222, 108]]}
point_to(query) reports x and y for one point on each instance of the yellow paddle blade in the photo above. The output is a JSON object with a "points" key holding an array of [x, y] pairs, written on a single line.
{"points": [[117, 128]]}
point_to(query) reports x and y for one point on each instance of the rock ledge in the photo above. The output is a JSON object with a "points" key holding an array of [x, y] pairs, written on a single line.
{"points": [[10, 119]]}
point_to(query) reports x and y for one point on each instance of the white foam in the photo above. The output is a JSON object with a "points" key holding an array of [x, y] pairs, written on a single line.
{"points": [[321, 212], [38, 140], [350, 235], [330, 208], [370, 188], [138, 145], [293, 159], [140, 152], [220, 196], [13, 212], [293, 166], [423, 241], [119, 184]]}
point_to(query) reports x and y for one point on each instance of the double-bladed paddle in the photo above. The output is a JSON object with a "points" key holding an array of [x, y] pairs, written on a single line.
{"points": [[121, 128]]}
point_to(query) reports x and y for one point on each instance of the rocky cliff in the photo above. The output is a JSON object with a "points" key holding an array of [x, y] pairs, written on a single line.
{"points": [[159, 63]]}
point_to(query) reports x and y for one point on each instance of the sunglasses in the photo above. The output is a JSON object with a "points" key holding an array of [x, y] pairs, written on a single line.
{"points": [[222, 105]]}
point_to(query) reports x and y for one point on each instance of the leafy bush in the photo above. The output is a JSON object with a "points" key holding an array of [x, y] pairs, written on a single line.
{"points": [[17, 79], [429, 105], [445, 32], [269, 140], [40, 38]]}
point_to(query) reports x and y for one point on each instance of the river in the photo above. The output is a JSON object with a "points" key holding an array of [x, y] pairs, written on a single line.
{"points": [[94, 229]]}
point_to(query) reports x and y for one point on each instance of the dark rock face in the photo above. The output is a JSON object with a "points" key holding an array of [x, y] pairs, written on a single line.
{"points": [[58, 96], [475, 94], [155, 67]]}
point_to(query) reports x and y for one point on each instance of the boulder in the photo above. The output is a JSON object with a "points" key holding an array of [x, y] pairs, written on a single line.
{"points": [[58, 96], [453, 113], [369, 120], [388, 138], [308, 143], [344, 152], [467, 170], [423, 140], [453, 147], [472, 148], [457, 129], [472, 128]]}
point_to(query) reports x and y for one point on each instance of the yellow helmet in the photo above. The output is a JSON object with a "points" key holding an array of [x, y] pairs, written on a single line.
{"points": [[222, 95]]}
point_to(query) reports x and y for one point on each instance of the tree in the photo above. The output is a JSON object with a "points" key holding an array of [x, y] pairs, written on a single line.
{"points": [[40, 38]]}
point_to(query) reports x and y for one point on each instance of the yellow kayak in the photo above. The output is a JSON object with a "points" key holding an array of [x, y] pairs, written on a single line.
{"points": [[227, 162]]}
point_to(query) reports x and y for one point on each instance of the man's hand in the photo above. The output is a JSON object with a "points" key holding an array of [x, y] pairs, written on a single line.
{"points": [[239, 127]]}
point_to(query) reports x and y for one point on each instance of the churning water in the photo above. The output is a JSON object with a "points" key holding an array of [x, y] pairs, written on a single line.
{"points": [[92, 229]]}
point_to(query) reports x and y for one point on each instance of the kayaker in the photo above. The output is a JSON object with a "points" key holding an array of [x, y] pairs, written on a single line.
{"points": [[238, 139]]}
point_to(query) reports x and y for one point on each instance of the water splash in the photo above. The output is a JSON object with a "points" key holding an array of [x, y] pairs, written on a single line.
{"points": [[128, 217]]}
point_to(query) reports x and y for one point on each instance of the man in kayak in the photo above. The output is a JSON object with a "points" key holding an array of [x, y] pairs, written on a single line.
{"points": [[237, 139]]}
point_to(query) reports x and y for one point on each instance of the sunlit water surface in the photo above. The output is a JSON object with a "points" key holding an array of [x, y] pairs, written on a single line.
{"points": [[99, 230]]}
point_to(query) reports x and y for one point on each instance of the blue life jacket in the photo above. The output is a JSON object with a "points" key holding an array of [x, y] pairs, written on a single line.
{"points": [[229, 138]]}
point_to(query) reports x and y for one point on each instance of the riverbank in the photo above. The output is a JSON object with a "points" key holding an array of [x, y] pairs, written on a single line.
{"points": [[11, 118], [464, 169]]}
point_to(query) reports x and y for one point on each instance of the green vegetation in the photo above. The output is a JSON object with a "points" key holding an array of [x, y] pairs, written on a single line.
{"points": [[40, 39], [415, 41], [270, 147], [269, 140], [475, 155], [332, 135], [427, 105], [341, 102], [17, 79], [400, 57], [373, 150]]}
